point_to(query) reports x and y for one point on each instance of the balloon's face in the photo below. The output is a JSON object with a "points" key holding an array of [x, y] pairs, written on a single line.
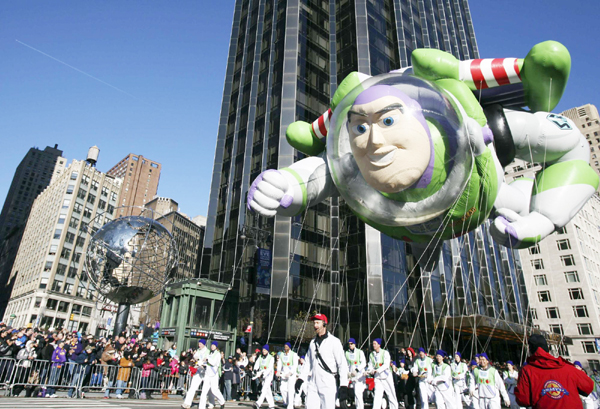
{"points": [[390, 146]]}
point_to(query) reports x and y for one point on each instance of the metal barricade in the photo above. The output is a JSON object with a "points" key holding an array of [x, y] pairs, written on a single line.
{"points": [[160, 380], [7, 370], [47, 376], [123, 381]]}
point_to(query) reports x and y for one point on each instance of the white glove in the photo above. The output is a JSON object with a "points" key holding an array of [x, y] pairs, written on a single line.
{"points": [[268, 192]]}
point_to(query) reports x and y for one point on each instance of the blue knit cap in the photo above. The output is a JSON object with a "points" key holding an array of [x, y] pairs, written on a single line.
{"points": [[378, 340], [215, 343], [394, 363], [288, 344], [458, 353], [473, 363], [442, 353], [352, 341], [422, 350], [484, 355], [402, 361], [266, 346], [578, 364], [510, 362], [202, 341]]}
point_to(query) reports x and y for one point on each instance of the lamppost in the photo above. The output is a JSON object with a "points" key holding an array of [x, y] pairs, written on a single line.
{"points": [[257, 236]]}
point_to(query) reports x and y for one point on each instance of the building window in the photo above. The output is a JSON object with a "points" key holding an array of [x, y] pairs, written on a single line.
{"points": [[538, 264], [68, 288], [65, 253], [544, 296], [104, 191], [580, 311], [38, 302], [51, 304], [110, 209], [540, 279], [567, 260], [571, 277], [552, 313], [80, 241], [70, 189], [77, 207], [74, 175], [87, 311], [69, 237], [57, 233], [56, 285], [594, 364], [87, 213], [63, 306], [91, 198], [81, 193], [562, 350], [556, 328], [576, 293], [53, 250], [535, 249], [534, 314], [584, 329], [66, 203], [589, 347], [562, 230], [563, 244]]}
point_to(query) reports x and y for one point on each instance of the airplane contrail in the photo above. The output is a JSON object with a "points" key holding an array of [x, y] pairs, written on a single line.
{"points": [[89, 75]]}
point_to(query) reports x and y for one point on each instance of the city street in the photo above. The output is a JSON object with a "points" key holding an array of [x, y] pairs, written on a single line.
{"points": [[63, 403]]}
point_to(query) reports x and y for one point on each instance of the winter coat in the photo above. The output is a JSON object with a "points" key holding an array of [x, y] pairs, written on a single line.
{"points": [[549, 382], [59, 357]]}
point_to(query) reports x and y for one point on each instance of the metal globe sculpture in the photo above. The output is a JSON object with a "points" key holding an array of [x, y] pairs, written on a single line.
{"points": [[129, 259]]}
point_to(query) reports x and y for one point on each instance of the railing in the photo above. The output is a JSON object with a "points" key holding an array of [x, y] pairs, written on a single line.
{"points": [[44, 378]]}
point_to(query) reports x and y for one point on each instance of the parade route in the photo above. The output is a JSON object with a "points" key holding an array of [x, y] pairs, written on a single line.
{"points": [[64, 403]]}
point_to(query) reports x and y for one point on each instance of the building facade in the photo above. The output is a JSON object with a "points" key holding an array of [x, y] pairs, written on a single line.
{"points": [[33, 174], [588, 121], [189, 236], [286, 59], [562, 276], [51, 288], [140, 182]]}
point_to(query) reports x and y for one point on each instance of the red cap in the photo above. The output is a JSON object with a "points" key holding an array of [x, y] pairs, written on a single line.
{"points": [[320, 317]]}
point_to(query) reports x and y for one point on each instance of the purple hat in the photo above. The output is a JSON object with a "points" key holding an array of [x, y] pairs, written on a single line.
{"points": [[477, 355], [441, 353], [394, 363], [202, 341], [510, 362], [458, 353], [473, 363], [352, 341], [266, 346], [422, 350], [402, 361], [578, 364], [378, 340], [288, 344], [301, 356], [215, 343], [484, 355]]}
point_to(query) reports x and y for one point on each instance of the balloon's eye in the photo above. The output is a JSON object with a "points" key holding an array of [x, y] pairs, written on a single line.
{"points": [[388, 121], [360, 129]]}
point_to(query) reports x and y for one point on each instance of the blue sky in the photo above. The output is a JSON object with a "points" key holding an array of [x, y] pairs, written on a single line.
{"points": [[159, 68]]}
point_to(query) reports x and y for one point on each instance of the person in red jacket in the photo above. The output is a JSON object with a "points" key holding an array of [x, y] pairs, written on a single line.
{"points": [[548, 382]]}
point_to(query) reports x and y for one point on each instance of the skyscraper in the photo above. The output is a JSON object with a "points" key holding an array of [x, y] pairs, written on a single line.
{"points": [[32, 176], [51, 287], [588, 121], [140, 182], [286, 59]]}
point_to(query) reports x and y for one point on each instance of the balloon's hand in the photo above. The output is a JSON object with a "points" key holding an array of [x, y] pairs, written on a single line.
{"points": [[269, 191]]}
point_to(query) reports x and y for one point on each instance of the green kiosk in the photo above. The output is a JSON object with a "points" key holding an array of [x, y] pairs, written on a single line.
{"points": [[195, 309]]}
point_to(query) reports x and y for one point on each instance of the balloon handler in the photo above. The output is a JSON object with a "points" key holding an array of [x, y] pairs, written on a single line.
{"points": [[416, 155]]}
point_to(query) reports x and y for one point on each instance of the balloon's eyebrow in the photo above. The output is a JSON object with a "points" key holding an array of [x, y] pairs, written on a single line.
{"points": [[357, 113], [391, 108]]}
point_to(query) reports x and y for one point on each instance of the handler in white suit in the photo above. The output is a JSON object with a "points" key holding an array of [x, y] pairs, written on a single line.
{"points": [[422, 369], [287, 366], [265, 366], [357, 362], [511, 376], [379, 367], [200, 357], [441, 380], [212, 376], [459, 381], [491, 384], [324, 360]]}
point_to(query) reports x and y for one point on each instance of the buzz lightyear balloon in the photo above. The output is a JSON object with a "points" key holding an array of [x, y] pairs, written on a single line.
{"points": [[415, 155]]}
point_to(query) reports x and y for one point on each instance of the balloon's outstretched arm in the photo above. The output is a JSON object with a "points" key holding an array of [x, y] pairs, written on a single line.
{"points": [[289, 191]]}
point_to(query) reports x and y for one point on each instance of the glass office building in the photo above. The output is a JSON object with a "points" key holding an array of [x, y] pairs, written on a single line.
{"points": [[285, 61]]}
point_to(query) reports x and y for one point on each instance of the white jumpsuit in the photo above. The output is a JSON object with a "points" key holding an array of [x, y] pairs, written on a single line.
{"points": [[211, 379], [298, 398], [265, 371], [422, 368], [384, 379], [443, 391], [287, 367], [459, 381], [357, 362], [321, 386], [491, 387], [510, 381], [199, 356]]}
